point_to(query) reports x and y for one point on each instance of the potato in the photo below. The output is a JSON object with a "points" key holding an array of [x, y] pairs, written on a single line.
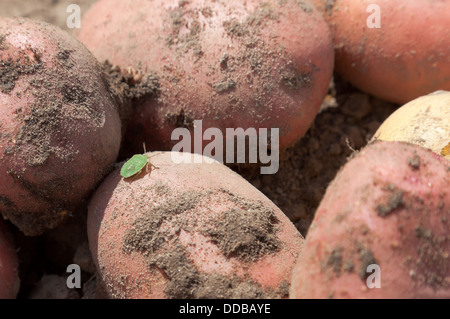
{"points": [[389, 206], [405, 58], [9, 268], [231, 64], [189, 231], [424, 121], [59, 126]]}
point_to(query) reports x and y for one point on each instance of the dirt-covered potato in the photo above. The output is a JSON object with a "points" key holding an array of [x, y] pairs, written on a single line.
{"points": [[424, 121], [189, 231], [389, 207], [232, 64], [59, 126], [9, 268], [397, 50]]}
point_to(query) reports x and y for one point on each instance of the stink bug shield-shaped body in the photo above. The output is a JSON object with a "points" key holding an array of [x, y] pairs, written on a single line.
{"points": [[135, 165]]}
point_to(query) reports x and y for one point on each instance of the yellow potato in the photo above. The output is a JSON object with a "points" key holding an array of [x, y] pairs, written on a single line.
{"points": [[424, 121]]}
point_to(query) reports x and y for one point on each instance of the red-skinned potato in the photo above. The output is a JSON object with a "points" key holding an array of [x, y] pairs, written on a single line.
{"points": [[189, 231], [407, 57], [59, 126], [232, 64], [389, 206], [9, 269]]}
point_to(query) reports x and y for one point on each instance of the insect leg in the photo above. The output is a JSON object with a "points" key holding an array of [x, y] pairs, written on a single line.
{"points": [[136, 175]]}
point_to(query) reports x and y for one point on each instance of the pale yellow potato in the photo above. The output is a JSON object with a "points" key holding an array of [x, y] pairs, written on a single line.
{"points": [[424, 121]]}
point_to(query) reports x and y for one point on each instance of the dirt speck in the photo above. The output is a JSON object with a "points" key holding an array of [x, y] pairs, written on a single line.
{"points": [[349, 266], [366, 258], [394, 201], [294, 79], [224, 86], [11, 70], [335, 260], [329, 5], [414, 161]]}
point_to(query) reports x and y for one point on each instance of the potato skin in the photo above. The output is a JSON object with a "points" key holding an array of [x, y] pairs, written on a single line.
{"points": [[9, 268], [405, 58], [189, 231], [389, 205], [424, 121], [232, 64], [60, 129]]}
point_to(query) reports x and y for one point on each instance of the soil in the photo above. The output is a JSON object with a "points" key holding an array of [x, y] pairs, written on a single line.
{"points": [[394, 201], [430, 249], [247, 232], [347, 121]]}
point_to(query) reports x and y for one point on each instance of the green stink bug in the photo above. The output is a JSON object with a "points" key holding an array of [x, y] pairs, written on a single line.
{"points": [[135, 165]]}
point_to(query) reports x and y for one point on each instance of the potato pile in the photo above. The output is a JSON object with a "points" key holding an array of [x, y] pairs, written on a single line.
{"points": [[79, 112]]}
